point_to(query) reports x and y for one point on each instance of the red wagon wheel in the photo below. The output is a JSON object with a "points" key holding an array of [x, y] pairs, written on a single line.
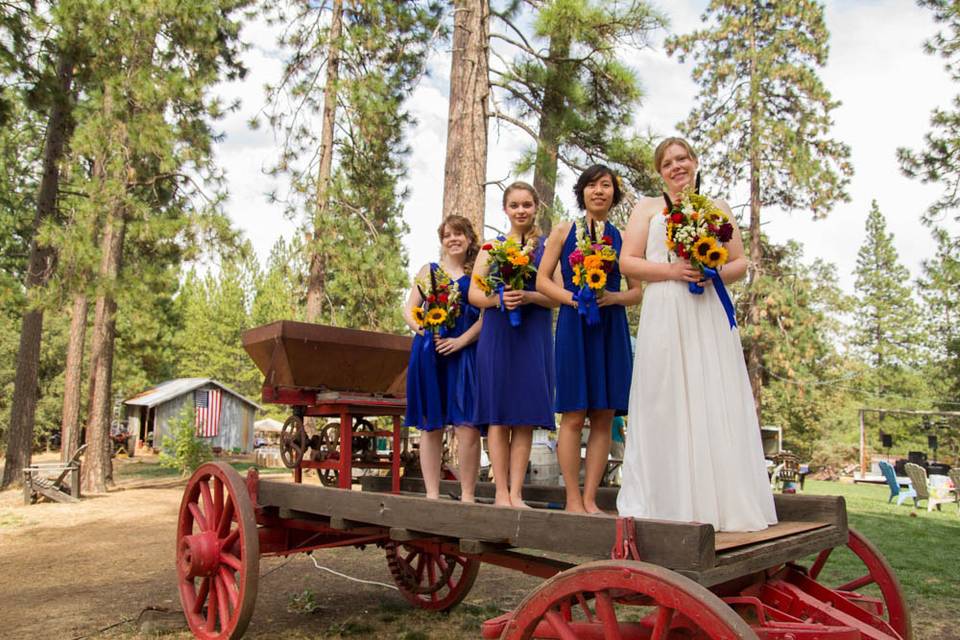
{"points": [[880, 573], [622, 599], [428, 578], [218, 553]]}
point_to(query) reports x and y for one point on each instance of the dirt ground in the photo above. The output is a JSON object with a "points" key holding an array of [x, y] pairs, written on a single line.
{"points": [[88, 570]]}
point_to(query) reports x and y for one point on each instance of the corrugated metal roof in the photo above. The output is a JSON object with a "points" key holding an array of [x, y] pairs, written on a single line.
{"points": [[175, 388]]}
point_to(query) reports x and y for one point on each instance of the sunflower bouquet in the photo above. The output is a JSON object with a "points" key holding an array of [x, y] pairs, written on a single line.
{"points": [[591, 261], [696, 231], [441, 302], [511, 265]]}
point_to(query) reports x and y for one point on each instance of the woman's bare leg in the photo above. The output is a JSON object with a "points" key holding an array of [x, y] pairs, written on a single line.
{"points": [[568, 455], [498, 439], [431, 454], [468, 450], [598, 448], [521, 440]]}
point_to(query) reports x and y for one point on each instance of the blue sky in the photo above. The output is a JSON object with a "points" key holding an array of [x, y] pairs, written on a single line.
{"points": [[877, 69]]}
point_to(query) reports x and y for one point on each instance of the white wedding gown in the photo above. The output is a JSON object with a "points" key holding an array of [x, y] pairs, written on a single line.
{"points": [[693, 449]]}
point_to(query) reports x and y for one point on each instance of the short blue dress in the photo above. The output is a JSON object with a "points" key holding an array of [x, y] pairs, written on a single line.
{"points": [[594, 364], [440, 388], [515, 376]]}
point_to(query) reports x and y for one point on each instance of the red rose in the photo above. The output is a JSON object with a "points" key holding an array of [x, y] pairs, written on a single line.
{"points": [[443, 298], [487, 247], [676, 218], [506, 270], [431, 298], [726, 232], [607, 240]]}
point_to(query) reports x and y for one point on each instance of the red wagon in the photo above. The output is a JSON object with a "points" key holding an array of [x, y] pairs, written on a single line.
{"points": [[605, 577]]}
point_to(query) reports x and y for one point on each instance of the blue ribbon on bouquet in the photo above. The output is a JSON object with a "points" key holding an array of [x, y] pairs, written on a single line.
{"points": [[696, 289], [428, 334], [512, 314], [587, 306]]}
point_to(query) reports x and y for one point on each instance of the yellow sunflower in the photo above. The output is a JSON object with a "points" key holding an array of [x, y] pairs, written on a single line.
{"points": [[596, 279], [593, 261], [418, 315], [715, 257], [702, 247], [483, 285], [577, 275], [436, 317]]}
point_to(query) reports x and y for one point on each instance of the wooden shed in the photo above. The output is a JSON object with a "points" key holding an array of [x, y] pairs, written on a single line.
{"points": [[223, 416]]}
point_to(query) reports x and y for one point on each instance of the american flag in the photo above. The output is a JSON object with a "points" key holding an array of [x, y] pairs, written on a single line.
{"points": [[207, 402]]}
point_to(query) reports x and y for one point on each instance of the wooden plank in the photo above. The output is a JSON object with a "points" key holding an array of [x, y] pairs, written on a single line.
{"points": [[669, 544], [748, 560], [342, 524], [802, 508], [784, 528]]}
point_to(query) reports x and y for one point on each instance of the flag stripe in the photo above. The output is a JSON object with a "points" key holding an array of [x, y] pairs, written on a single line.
{"points": [[208, 403]]}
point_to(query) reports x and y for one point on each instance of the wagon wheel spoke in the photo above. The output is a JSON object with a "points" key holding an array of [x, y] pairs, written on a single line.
{"points": [[559, 625], [565, 610], [226, 516], [421, 565], [431, 573], [608, 616], [208, 509], [217, 508], [230, 560], [223, 603], [853, 585], [585, 607], [201, 596], [212, 610], [198, 516], [230, 583], [231, 539], [817, 565], [662, 624]]}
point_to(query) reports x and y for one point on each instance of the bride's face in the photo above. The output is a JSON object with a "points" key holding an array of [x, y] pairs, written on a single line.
{"points": [[678, 168]]}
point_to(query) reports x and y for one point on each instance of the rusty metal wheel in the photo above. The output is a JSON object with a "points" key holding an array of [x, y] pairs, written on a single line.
{"points": [[293, 441], [428, 578], [623, 599], [218, 553], [328, 449], [879, 573]]}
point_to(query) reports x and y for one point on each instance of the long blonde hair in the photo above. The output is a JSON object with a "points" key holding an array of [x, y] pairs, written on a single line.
{"points": [[666, 144]]}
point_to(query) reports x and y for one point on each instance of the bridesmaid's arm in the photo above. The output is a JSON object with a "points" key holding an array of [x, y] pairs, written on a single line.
{"points": [[475, 296], [627, 298], [736, 266], [633, 262], [547, 285], [414, 300], [446, 346]]}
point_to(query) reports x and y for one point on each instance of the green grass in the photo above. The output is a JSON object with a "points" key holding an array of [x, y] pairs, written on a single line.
{"points": [[152, 470], [922, 548]]}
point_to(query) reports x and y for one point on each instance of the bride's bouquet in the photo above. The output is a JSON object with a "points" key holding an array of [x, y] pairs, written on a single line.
{"points": [[441, 302], [511, 265], [591, 261], [696, 231]]}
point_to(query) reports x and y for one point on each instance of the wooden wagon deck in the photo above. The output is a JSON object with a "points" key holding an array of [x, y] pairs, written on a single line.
{"points": [[808, 525]]}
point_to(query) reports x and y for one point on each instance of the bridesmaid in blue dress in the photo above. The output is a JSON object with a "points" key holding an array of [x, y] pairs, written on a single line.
{"points": [[593, 361], [441, 377], [514, 364]]}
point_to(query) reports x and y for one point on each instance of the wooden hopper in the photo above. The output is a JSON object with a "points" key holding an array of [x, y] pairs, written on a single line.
{"points": [[312, 356]]}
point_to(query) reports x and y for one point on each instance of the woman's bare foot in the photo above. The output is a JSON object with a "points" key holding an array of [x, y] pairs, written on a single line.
{"points": [[592, 508], [502, 500], [518, 503], [466, 498]]}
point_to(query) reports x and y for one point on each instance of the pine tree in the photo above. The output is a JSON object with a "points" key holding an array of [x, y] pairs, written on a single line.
{"points": [[281, 287], [940, 295], [939, 160], [762, 115], [886, 316], [569, 91]]}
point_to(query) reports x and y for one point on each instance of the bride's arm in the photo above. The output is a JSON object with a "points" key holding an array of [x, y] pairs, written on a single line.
{"points": [[736, 266], [633, 262]]}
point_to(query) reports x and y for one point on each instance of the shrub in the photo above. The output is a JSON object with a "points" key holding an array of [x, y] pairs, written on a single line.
{"points": [[183, 450]]}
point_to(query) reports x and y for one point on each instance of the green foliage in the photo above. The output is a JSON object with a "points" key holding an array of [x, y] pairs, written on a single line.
{"points": [[939, 288], [761, 102], [182, 449], [566, 85], [303, 602], [937, 161]]}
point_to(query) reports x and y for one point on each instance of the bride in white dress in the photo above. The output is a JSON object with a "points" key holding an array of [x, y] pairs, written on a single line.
{"points": [[693, 449]]}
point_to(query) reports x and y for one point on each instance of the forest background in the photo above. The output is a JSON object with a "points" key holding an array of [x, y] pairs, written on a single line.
{"points": [[175, 173]]}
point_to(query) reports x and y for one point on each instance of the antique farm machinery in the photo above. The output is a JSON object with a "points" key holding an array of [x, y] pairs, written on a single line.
{"points": [[605, 576]]}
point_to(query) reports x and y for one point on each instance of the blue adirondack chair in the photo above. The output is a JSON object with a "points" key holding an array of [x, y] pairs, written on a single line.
{"points": [[895, 490]]}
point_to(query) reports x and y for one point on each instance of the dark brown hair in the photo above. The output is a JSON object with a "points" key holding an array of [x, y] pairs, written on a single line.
{"points": [[464, 226], [592, 174]]}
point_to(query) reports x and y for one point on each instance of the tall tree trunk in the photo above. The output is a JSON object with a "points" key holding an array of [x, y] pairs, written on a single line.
{"points": [[548, 145], [756, 248], [316, 284], [41, 265], [69, 423], [466, 165], [97, 469]]}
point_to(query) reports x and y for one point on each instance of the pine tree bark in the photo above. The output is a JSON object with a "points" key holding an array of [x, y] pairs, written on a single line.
{"points": [[316, 283], [97, 468], [69, 423], [41, 265], [548, 145], [465, 170], [756, 247]]}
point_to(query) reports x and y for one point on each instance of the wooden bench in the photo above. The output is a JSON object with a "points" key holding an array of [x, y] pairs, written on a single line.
{"points": [[49, 480]]}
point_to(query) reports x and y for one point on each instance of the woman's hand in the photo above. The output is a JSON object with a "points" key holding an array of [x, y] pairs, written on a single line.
{"points": [[514, 298], [684, 272], [609, 298], [449, 346]]}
